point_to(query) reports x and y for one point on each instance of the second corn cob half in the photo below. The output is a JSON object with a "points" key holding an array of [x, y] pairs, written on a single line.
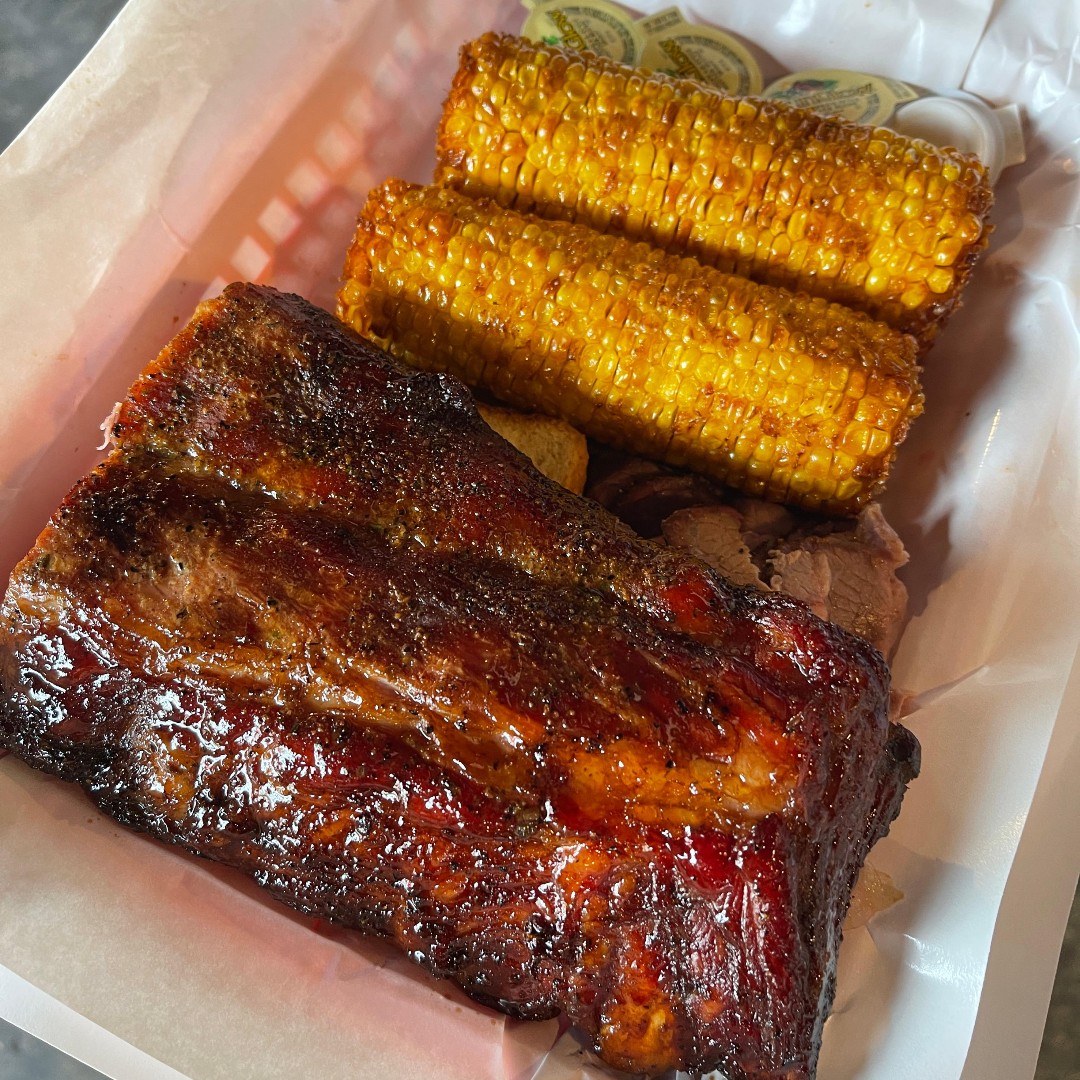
{"points": [[860, 215], [781, 395]]}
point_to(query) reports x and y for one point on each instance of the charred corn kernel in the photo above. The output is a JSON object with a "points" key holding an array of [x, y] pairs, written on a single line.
{"points": [[914, 295], [781, 394], [736, 175], [940, 281]]}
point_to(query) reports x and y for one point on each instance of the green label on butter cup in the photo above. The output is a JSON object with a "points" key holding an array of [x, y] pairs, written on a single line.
{"points": [[703, 53], [596, 26], [852, 95]]}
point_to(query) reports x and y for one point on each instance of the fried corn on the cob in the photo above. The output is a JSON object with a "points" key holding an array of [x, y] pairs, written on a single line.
{"points": [[780, 395], [863, 216]]}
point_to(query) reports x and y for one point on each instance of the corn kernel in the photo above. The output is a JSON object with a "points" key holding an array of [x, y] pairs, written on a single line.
{"points": [[477, 136], [797, 224], [797, 256], [969, 229], [877, 281], [564, 140], [830, 261], [947, 251], [898, 263], [914, 295], [940, 280]]}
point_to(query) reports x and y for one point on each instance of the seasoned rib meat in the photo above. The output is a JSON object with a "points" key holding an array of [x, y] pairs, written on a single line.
{"points": [[313, 618], [844, 570]]}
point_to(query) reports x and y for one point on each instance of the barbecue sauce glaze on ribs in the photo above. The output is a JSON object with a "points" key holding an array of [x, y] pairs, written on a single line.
{"points": [[313, 619]]}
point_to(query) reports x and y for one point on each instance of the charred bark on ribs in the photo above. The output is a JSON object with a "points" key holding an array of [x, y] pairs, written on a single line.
{"points": [[312, 618]]}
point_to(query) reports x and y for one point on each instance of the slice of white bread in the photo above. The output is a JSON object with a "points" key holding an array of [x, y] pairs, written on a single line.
{"points": [[558, 450]]}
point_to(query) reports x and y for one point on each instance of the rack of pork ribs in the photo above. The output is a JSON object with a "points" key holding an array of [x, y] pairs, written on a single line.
{"points": [[312, 618]]}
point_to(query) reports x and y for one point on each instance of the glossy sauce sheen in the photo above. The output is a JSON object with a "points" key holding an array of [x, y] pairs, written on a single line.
{"points": [[314, 619]]}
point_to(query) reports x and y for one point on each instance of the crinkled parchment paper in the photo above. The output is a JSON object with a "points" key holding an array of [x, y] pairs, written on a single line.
{"points": [[206, 140]]}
